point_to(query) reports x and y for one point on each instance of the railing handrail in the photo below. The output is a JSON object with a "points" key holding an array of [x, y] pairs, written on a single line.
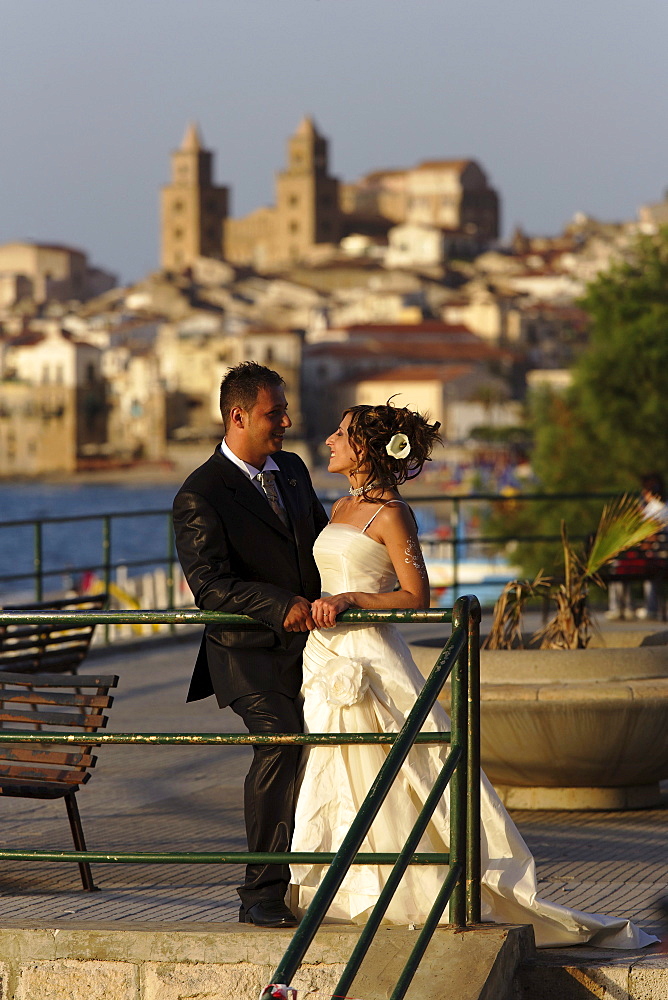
{"points": [[188, 616], [462, 885]]}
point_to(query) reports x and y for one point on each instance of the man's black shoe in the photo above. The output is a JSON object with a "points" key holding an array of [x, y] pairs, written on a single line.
{"points": [[270, 913]]}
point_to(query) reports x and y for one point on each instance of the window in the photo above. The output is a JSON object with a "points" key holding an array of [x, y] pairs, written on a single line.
{"points": [[294, 227], [293, 200]]}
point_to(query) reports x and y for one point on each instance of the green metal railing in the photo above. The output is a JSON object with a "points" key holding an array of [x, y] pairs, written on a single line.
{"points": [[105, 564], [461, 888], [452, 506]]}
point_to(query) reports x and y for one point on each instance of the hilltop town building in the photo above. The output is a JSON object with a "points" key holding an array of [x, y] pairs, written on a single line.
{"points": [[312, 210], [432, 364], [52, 403], [47, 272], [452, 195]]}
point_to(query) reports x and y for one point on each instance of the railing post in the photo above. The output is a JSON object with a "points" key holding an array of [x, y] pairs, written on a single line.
{"points": [[171, 558], [106, 562], [458, 811], [38, 560], [473, 870], [455, 524]]}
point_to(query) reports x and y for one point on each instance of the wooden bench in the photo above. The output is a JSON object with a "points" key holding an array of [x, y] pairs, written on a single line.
{"points": [[52, 702], [35, 648]]}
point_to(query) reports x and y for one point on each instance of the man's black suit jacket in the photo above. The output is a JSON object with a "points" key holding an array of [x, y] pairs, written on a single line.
{"points": [[238, 557]]}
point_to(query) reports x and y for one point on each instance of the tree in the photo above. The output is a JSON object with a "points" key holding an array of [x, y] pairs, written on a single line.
{"points": [[611, 426], [619, 401]]}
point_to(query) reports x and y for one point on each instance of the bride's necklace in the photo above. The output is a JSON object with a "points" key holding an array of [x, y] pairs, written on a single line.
{"points": [[360, 489]]}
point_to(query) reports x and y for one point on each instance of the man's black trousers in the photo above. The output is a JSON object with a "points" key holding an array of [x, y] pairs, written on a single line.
{"points": [[269, 790]]}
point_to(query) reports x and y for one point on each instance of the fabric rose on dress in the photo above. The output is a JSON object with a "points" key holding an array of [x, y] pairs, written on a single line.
{"points": [[342, 681], [398, 446]]}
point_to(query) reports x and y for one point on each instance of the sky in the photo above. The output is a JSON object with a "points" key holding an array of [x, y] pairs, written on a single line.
{"points": [[564, 104]]}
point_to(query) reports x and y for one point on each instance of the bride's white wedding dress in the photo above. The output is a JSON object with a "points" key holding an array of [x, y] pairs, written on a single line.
{"points": [[361, 678]]}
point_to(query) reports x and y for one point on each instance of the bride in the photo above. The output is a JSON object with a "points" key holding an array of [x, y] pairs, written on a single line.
{"points": [[361, 678]]}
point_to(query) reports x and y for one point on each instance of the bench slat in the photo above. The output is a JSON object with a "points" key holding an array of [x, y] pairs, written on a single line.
{"points": [[26, 789], [16, 644], [50, 680], [72, 699], [42, 630], [46, 774], [53, 718], [47, 660], [19, 753]]}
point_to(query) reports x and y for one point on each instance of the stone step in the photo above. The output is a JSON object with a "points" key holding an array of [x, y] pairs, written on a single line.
{"points": [[587, 973], [127, 960]]}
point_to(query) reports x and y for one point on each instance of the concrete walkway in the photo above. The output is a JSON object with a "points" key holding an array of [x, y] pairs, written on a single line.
{"points": [[189, 798]]}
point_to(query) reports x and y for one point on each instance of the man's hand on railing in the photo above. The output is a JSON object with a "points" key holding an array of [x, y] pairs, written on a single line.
{"points": [[298, 617]]}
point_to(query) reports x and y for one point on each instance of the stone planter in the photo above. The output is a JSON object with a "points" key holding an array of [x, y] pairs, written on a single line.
{"points": [[572, 729]]}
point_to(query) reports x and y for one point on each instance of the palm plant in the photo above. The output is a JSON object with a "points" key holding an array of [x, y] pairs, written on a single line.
{"points": [[622, 525], [506, 630]]}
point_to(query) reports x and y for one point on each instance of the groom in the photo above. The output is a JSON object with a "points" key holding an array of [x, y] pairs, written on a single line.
{"points": [[245, 525]]}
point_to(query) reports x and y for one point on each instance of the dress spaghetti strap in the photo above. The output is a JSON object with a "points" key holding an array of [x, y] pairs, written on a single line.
{"points": [[335, 506], [387, 502]]}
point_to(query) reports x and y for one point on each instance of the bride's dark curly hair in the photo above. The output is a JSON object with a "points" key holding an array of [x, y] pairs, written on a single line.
{"points": [[370, 430]]}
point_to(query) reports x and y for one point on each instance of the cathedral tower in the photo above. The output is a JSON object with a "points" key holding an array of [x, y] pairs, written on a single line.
{"points": [[193, 209], [307, 198]]}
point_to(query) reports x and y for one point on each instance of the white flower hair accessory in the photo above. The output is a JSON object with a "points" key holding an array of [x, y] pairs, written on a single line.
{"points": [[398, 446], [342, 681]]}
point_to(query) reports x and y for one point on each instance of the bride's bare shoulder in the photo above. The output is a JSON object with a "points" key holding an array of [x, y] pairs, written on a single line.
{"points": [[393, 519]]}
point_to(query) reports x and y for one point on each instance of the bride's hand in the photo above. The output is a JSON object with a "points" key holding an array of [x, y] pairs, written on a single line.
{"points": [[325, 609]]}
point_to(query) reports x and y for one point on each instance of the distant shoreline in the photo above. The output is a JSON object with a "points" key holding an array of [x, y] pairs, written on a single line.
{"points": [[131, 476], [142, 476], [174, 475]]}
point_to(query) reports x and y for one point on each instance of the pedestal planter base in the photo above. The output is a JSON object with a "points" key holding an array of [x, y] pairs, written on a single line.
{"points": [[572, 729], [603, 799]]}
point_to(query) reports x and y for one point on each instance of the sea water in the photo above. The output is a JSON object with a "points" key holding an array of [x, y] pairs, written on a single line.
{"points": [[74, 547]]}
